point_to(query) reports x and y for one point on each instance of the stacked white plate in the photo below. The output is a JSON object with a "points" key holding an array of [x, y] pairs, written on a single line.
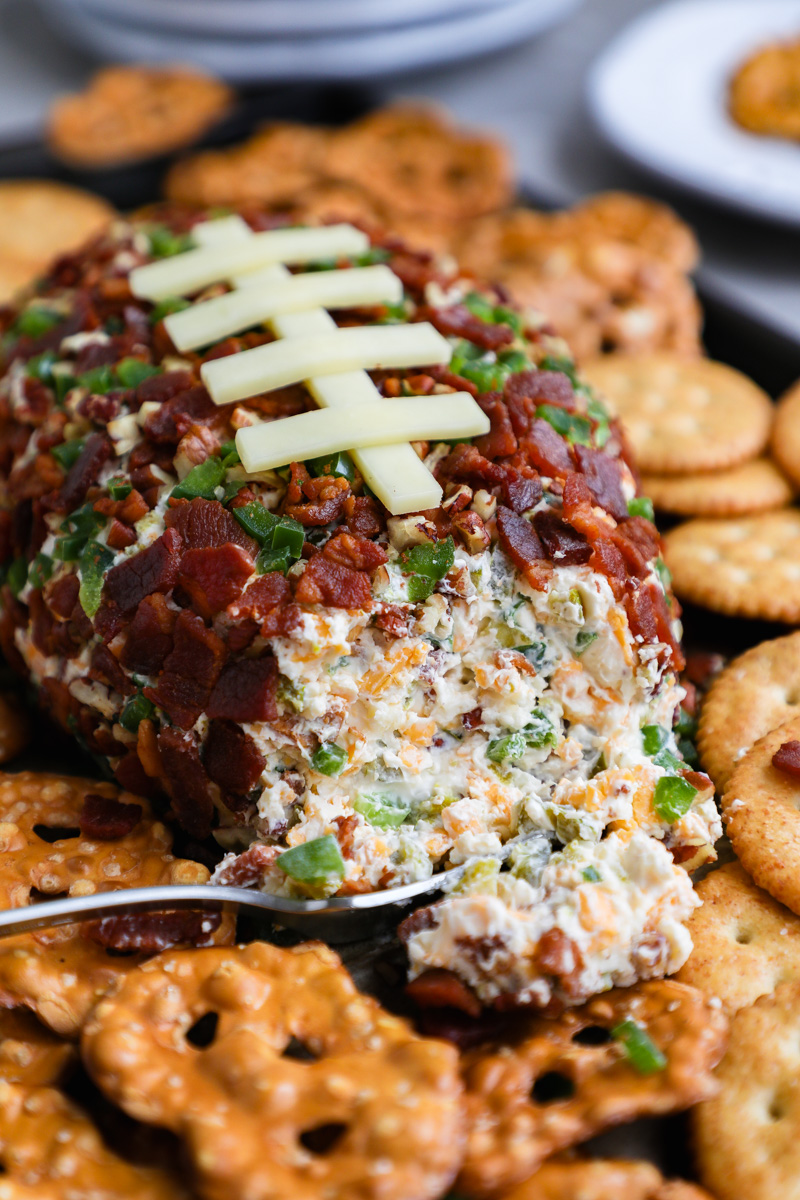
{"points": [[257, 40]]}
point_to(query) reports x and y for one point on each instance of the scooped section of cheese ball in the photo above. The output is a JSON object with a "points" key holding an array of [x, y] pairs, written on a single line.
{"points": [[348, 698]]}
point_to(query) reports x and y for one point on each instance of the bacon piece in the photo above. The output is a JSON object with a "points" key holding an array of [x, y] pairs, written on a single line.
{"points": [[439, 988], [152, 570], [326, 503], [246, 691], [472, 719], [85, 471], [362, 516], [158, 389], [105, 667], [130, 775], [266, 603], [352, 550], [416, 271], [564, 545], [104, 819], [787, 759], [649, 620], [540, 387], [327, 582], [175, 417], [607, 560], [638, 542], [521, 543], [467, 463], [214, 578], [394, 620], [149, 637], [189, 786], [102, 409], [345, 833], [457, 382], [580, 511], [547, 450], [231, 758], [248, 867], [150, 933], [558, 955], [205, 524], [500, 441], [61, 596], [521, 493], [603, 476], [120, 535], [190, 671], [458, 321]]}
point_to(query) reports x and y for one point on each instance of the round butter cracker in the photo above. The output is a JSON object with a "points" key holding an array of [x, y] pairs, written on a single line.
{"points": [[747, 1138], [684, 414], [753, 695], [761, 809], [742, 566], [755, 486], [785, 447], [745, 943]]}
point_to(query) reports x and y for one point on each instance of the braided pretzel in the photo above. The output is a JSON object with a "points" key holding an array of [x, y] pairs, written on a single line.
{"points": [[374, 1116], [49, 1150], [29, 1053], [60, 973], [563, 1080]]}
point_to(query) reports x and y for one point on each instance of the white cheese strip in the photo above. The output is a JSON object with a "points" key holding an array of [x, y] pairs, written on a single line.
{"points": [[291, 360], [396, 474], [196, 269], [213, 320], [222, 231], [381, 423]]}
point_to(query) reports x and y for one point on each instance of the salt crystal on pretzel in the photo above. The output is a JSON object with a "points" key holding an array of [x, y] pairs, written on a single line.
{"points": [[52, 1151], [640, 1051], [60, 973], [308, 1089]]}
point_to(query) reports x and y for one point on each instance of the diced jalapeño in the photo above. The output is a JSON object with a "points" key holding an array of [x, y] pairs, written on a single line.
{"points": [[640, 1049], [317, 863], [132, 371], [329, 759], [673, 798], [136, 710], [203, 480], [385, 812]]}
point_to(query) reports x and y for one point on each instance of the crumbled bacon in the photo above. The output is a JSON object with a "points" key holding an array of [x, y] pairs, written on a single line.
{"points": [[148, 639], [214, 578], [327, 582], [501, 440], [564, 545], [649, 619], [345, 833], [204, 524], [547, 450], [231, 758], [131, 776], [539, 387], [466, 462], [787, 759], [96, 452], [61, 595], [159, 389], [246, 691], [120, 535], [522, 545], [168, 424], [104, 819], [607, 560], [105, 667], [394, 619], [603, 476], [267, 602], [190, 671], [362, 516], [151, 933], [352, 550], [326, 497], [189, 786], [520, 492], [457, 321], [154, 569], [439, 988], [472, 719], [248, 867]]}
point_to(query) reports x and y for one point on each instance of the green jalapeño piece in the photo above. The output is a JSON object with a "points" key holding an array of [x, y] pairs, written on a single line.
{"points": [[203, 480], [673, 798], [640, 1049], [93, 563], [329, 759], [132, 371], [427, 564], [641, 506], [382, 811], [317, 864]]}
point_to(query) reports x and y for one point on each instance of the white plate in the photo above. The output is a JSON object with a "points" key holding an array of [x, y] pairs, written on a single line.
{"points": [[284, 17], [659, 94], [345, 57]]}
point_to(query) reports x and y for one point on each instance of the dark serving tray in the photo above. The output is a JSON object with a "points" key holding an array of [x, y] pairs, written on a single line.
{"points": [[768, 357]]}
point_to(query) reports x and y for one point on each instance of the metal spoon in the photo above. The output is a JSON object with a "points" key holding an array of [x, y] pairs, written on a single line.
{"points": [[339, 919]]}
